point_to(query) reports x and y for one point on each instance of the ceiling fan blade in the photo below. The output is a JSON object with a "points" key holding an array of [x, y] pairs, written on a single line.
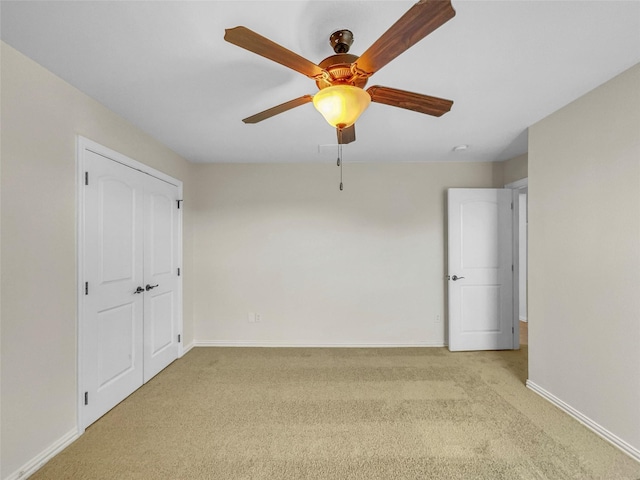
{"points": [[283, 107], [418, 22], [411, 101], [250, 40], [346, 135]]}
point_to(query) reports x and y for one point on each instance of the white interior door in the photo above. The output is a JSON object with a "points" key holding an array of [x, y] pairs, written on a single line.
{"points": [[112, 330], [481, 315], [161, 298]]}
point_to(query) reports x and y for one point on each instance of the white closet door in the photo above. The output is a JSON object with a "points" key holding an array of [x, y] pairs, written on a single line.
{"points": [[161, 297], [130, 288], [112, 330]]}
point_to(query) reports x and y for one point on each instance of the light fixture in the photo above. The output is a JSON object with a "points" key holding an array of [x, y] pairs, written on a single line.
{"points": [[460, 148], [341, 105]]}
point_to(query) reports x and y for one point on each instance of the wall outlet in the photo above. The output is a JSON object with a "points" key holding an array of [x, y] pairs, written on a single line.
{"points": [[437, 319], [258, 318]]}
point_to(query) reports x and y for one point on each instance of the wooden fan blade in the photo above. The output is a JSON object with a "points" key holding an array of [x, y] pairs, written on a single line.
{"points": [[346, 135], [419, 21], [283, 107], [250, 40], [411, 101]]}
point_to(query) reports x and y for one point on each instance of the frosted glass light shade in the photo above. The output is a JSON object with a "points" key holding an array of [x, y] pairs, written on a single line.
{"points": [[341, 105]]}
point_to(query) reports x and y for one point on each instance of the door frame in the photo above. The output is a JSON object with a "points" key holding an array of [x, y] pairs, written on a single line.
{"points": [[84, 144], [516, 187]]}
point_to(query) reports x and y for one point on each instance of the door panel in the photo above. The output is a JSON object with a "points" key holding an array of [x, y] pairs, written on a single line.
{"points": [[117, 231], [480, 258], [160, 260], [162, 210], [480, 308], [112, 314], [116, 347], [478, 227], [162, 326]]}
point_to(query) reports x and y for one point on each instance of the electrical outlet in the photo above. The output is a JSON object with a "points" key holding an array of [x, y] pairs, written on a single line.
{"points": [[437, 319], [258, 318]]}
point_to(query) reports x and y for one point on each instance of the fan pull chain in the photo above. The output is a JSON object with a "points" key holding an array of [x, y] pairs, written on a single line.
{"points": [[340, 164]]}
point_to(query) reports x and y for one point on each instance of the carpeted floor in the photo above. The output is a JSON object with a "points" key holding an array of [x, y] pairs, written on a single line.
{"points": [[293, 414]]}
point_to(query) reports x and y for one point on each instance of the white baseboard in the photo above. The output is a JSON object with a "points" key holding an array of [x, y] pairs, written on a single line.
{"points": [[223, 343], [38, 461], [586, 421]]}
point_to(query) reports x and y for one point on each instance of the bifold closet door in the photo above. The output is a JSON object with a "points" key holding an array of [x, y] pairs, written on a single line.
{"points": [[131, 295]]}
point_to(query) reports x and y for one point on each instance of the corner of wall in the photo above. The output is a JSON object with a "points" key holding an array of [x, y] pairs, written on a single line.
{"points": [[498, 174]]}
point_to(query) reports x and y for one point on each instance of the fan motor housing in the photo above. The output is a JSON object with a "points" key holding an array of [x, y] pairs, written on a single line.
{"points": [[339, 67]]}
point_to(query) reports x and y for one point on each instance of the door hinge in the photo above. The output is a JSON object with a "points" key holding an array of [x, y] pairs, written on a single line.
{"points": [[86, 178], [179, 202], [179, 337], [512, 267], [86, 288], [512, 330], [178, 271], [86, 398], [511, 205]]}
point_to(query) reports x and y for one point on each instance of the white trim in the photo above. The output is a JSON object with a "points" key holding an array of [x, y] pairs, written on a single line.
{"points": [[83, 144], [181, 351], [518, 184], [79, 276], [43, 457], [86, 144], [586, 421], [232, 343], [515, 272]]}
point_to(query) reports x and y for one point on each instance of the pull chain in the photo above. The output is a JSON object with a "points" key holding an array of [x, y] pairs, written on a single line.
{"points": [[340, 164]]}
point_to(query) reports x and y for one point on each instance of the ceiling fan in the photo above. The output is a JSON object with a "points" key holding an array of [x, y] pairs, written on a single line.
{"points": [[341, 77]]}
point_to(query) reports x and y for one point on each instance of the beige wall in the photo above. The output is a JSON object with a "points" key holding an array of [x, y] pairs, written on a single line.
{"points": [[584, 255], [364, 266], [515, 169], [510, 170], [41, 116]]}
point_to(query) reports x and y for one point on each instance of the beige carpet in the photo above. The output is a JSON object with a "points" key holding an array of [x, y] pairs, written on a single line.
{"points": [[292, 414]]}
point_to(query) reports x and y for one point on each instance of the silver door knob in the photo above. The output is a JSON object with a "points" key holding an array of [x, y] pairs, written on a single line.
{"points": [[455, 277], [139, 290]]}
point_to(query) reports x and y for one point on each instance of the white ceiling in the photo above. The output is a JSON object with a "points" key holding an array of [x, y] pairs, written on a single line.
{"points": [[165, 67]]}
